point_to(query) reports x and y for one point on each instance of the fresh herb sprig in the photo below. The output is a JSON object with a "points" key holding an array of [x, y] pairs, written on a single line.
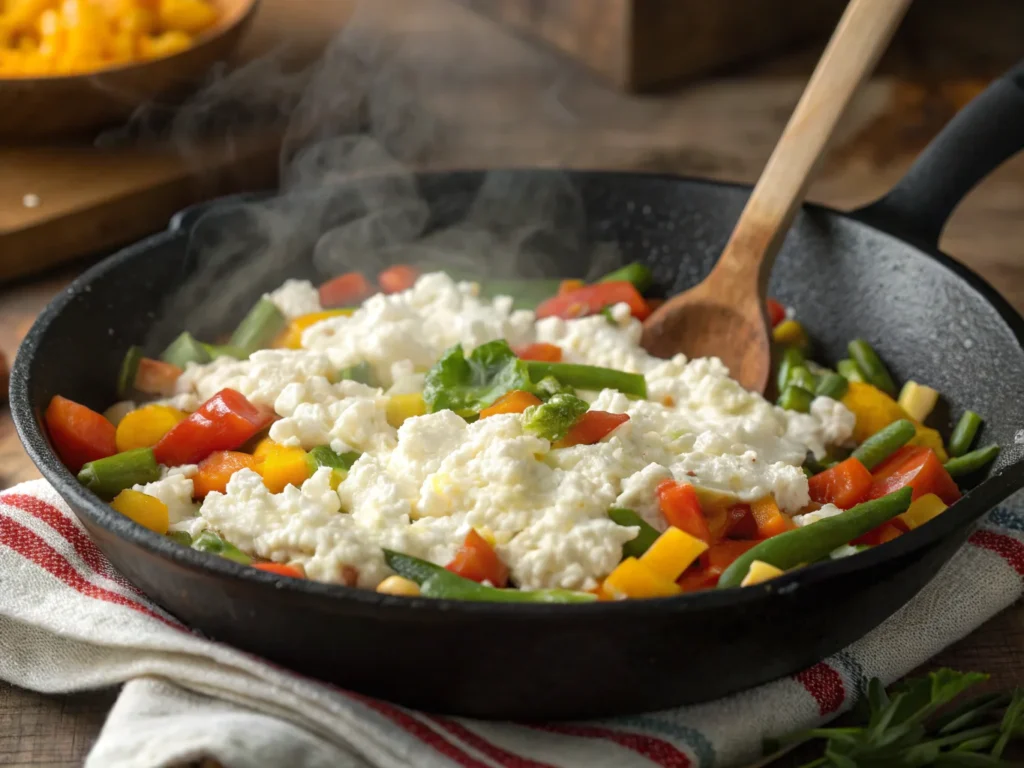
{"points": [[904, 728]]}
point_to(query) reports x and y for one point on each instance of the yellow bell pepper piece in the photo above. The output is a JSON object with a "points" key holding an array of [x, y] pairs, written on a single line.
{"points": [[291, 337], [672, 553], [631, 578], [402, 407], [264, 448], [791, 334], [143, 428], [189, 16], [918, 400], [759, 572], [922, 510], [148, 511], [875, 410], [281, 466]]}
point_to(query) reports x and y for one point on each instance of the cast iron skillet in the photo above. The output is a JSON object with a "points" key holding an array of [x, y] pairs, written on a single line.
{"points": [[875, 274]]}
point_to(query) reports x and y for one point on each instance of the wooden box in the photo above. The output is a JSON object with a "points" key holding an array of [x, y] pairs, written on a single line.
{"points": [[640, 45]]}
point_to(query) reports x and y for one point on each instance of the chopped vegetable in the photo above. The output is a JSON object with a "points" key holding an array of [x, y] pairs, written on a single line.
{"points": [[525, 294], [871, 365], [681, 507], [769, 518], [291, 338], [441, 583], [845, 484], [208, 541], [223, 423], [401, 408], [800, 376], [400, 277], [553, 420], [259, 328], [570, 285], [283, 465], [637, 273], [147, 511], [884, 443], [143, 428], [477, 561], [916, 467], [591, 299], [918, 400], [875, 410], [155, 377], [345, 290], [884, 533], [217, 469], [109, 476], [776, 312], [630, 519], [814, 542], [180, 537], [280, 569], [184, 350], [634, 579], [759, 573], [672, 553], [791, 334], [399, 585], [850, 371], [592, 428], [590, 377], [923, 509], [549, 386], [832, 385], [791, 358], [360, 372], [713, 564], [129, 370], [324, 456], [225, 350], [795, 398], [545, 353], [739, 523], [467, 385], [972, 462], [963, 436], [79, 434], [118, 411], [516, 401]]}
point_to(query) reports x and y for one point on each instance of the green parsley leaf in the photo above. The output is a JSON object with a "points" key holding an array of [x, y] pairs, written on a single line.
{"points": [[553, 419], [467, 385]]}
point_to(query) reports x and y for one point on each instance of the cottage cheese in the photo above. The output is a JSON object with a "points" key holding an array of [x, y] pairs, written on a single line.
{"points": [[174, 489], [421, 488], [296, 298]]}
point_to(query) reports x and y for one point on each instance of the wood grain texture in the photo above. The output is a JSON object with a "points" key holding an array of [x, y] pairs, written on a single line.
{"points": [[723, 128]]}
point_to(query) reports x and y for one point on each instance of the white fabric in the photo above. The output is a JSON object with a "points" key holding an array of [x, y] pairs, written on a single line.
{"points": [[69, 622]]}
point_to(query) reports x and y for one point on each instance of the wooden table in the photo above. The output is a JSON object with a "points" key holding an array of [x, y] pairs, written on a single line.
{"points": [[722, 128]]}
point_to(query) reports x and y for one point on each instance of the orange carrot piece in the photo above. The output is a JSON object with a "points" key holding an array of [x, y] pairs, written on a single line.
{"points": [[216, 469], [347, 289], [400, 277], [545, 353], [515, 401]]}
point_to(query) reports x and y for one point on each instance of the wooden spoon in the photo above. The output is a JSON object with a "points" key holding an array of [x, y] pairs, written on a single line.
{"points": [[724, 315]]}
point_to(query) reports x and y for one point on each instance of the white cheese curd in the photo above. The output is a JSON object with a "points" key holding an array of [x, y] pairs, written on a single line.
{"points": [[296, 298], [828, 510], [175, 490], [261, 378]]}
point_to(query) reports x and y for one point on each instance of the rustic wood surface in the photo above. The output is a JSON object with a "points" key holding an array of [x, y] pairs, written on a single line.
{"points": [[723, 128]]}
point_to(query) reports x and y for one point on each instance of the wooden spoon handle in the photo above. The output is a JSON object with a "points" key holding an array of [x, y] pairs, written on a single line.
{"points": [[858, 42]]}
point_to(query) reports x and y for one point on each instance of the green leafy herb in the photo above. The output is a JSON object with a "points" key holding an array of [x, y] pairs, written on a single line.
{"points": [[549, 386], [903, 728], [553, 419], [360, 372], [467, 385]]}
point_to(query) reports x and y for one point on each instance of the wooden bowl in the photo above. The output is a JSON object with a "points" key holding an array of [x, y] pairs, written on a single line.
{"points": [[44, 107]]}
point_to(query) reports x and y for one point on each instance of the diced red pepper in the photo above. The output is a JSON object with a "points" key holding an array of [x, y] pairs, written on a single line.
{"points": [[845, 485], [79, 434], [155, 377], [478, 561], [280, 569], [223, 423], [653, 304], [704, 574], [698, 578], [918, 467], [768, 518], [345, 290], [681, 508], [570, 285], [591, 299], [398, 278], [741, 523], [545, 353], [776, 312], [592, 428], [880, 535]]}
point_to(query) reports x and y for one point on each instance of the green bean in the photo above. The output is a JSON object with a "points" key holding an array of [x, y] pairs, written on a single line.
{"points": [[816, 541], [791, 358], [129, 369], [850, 370], [360, 372], [817, 467], [184, 350], [964, 434], [972, 462], [181, 537], [832, 385], [884, 443], [224, 350], [108, 477], [208, 541], [795, 398], [589, 377], [647, 535], [526, 294], [638, 274], [260, 327], [324, 456], [438, 582], [872, 366], [801, 377]]}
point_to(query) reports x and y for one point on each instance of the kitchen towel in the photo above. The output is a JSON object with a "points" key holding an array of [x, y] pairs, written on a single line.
{"points": [[69, 622]]}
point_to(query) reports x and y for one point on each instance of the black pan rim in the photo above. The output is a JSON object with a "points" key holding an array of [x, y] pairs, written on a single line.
{"points": [[29, 428]]}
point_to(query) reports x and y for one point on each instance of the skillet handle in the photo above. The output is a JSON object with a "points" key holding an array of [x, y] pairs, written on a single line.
{"points": [[988, 131]]}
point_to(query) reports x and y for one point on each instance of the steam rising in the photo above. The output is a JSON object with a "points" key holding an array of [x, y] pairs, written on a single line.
{"points": [[357, 124]]}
